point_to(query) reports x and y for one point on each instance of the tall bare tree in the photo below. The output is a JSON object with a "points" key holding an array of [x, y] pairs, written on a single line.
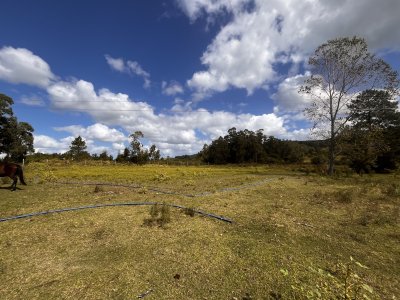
{"points": [[341, 69]]}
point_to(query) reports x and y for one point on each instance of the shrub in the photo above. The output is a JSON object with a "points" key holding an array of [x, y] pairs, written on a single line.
{"points": [[161, 177], [98, 189], [189, 211], [165, 216], [142, 190], [160, 215]]}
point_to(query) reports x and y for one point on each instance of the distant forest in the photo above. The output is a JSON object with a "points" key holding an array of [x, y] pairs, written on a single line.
{"points": [[246, 146], [373, 150]]}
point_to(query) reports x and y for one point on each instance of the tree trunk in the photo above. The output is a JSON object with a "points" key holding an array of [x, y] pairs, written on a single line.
{"points": [[331, 158], [331, 154]]}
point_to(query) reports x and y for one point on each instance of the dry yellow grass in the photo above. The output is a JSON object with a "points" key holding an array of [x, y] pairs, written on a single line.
{"points": [[284, 231]]}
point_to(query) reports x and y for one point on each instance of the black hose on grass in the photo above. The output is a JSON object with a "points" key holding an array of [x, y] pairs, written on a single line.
{"points": [[200, 212], [153, 189], [230, 189]]}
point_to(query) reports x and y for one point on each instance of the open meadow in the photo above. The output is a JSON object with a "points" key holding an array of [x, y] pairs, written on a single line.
{"points": [[294, 235]]}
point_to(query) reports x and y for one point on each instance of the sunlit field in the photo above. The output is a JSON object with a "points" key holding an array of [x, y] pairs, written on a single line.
{"points": [[293, 236]]}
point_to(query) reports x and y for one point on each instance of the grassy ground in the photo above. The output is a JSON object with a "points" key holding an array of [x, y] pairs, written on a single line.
{"points": [[294, 237]]}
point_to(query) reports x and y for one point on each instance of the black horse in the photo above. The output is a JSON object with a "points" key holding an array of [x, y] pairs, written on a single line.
{"points": [[14, 171]]}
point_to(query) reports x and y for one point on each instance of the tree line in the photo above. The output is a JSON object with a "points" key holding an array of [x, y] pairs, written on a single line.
{"points": [[137, 153], [369, 142], [16, 142], [245, 146]]}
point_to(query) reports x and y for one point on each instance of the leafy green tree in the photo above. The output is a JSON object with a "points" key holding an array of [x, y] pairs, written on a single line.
{"points": [[374, 108], [362, 147], [22, 140], [138, 153], [124, 156], [154, 153], [278, 151], [16, 138], [246, 146], [77, 149], [372, 142], [5, 109], [104, 156], [341, 68]]}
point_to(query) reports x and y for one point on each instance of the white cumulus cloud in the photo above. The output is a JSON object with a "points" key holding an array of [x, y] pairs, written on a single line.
{"points": [[288, 97], [247, 51], [116, 64], [47, 144], [20, 65], [99, 132]]}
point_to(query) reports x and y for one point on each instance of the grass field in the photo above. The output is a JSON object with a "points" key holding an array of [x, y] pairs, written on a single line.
{"points": [[294, 236]]}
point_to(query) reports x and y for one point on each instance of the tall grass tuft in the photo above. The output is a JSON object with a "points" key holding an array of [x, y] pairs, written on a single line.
{"points": [[98, 189], [160, 215], [189, 211]]}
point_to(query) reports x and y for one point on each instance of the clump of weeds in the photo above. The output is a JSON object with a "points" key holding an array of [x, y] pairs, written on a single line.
{"points": [[160, 215], [98, 189], [189, 211]]}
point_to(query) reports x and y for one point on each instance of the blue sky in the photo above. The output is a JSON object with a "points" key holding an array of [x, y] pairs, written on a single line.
{"points": [[182, 71]]}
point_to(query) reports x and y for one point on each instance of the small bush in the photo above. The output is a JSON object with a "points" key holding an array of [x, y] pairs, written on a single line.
{"points": [[160, 215], [365, 219], [165, 216], [142, 190], [189, 211], [98, 189], [161, 177]]}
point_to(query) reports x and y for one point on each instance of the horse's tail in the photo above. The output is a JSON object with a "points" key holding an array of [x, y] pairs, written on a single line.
{"points": [[20, 174]]}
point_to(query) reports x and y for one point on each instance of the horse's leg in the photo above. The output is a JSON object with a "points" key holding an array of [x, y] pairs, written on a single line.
{"points": [[14, 184]]}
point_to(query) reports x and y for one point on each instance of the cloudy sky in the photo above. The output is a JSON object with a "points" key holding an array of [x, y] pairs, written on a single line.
{"points": [[181, 71]]}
